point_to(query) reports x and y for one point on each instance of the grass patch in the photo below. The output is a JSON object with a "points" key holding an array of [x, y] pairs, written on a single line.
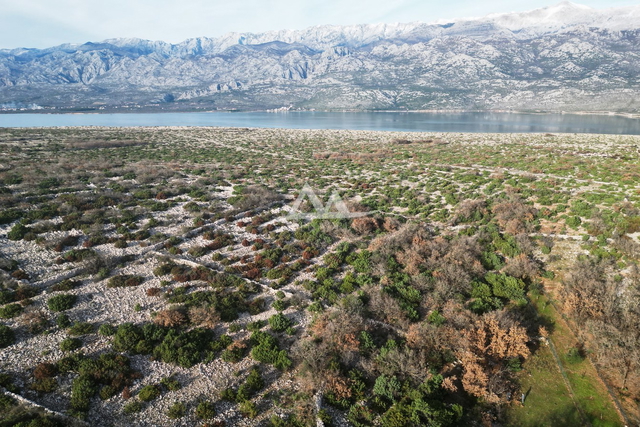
{"points": [[548, 400]]}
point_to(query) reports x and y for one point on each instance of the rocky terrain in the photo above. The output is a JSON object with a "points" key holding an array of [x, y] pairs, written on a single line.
{"points": [[565, 57], [156, 276]]}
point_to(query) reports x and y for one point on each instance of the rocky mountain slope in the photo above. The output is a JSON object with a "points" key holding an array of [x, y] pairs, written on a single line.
{"points": [[565, 57]]}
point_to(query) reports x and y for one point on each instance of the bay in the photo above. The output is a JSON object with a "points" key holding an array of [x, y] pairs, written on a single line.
{"points": [[488, 122]]}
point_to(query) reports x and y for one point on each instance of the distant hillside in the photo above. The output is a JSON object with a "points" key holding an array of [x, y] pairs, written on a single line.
{"points": [[561, 58]]}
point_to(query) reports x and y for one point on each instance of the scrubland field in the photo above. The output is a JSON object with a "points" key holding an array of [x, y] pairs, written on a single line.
{"points": [[155, 276]]}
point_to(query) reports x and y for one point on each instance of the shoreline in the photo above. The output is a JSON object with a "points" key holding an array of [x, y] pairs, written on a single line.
{"points": [[627, 115]]}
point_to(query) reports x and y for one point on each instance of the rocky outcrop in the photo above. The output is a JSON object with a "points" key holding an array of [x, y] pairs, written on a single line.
{"points": [[562, 58]]}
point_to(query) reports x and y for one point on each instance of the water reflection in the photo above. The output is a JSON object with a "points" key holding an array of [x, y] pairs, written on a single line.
{"points": [[385, 121]]}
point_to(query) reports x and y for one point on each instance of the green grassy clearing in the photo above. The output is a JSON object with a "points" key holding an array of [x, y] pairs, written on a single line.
{"points": [[549, 403]]}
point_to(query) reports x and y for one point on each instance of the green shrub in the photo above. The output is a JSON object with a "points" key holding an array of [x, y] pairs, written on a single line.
{"points": [[235, 327], [197, 251], [248, 409], [234, 353], [504, 286], [6, 381], [81, 328], [323, 273], [107, 330], [387, 387], [70, 363], [255, 326], [221, 343], [61, 302], [228, 394], [548, 274], [205, 410], [191, 207], [75, 255], [149, 392], [6, 402], [491, 260], [361, 261], [7, 296], [82, 389], [163, 269], [252, 384], [70, 344], [125, 280], [48, 183], [44, 385], [65, 285], [107, 392], [18, 232], [7, 216], [279, 273], [573, 221], [575, 354], [315, 307], [171, 383], [436, 318], [279, 322], [63, 321], [127, 337], [132, 407], [7, 336], [266, 350], [10, 311], [177, 410], [184, 348]]}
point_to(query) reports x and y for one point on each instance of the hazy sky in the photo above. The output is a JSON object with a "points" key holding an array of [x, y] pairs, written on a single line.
{"points": [[45, 23]]}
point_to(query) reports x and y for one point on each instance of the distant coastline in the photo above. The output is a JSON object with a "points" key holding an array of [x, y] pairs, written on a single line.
{"points": [[627, 115], [393, 121]]}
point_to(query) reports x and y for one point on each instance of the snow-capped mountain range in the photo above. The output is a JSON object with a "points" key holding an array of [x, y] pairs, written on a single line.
{"points": [[565, 57]]}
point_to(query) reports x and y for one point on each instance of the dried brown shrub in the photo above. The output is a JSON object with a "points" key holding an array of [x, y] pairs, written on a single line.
{"points": [[390, 224], [468, 209], [253, 273], [453, 264], [34, 320], [25, 291], [386, 308], [339, 387], [449, 384], [523, 267], [348, 342], [20, 275], [91, 144], [498, 341], [364, 225], [474, 379], [204, 316], [586, 293], [493, 339], [154, 292], [126, 393], [45, 370], [515, 216], [170, 318]]}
